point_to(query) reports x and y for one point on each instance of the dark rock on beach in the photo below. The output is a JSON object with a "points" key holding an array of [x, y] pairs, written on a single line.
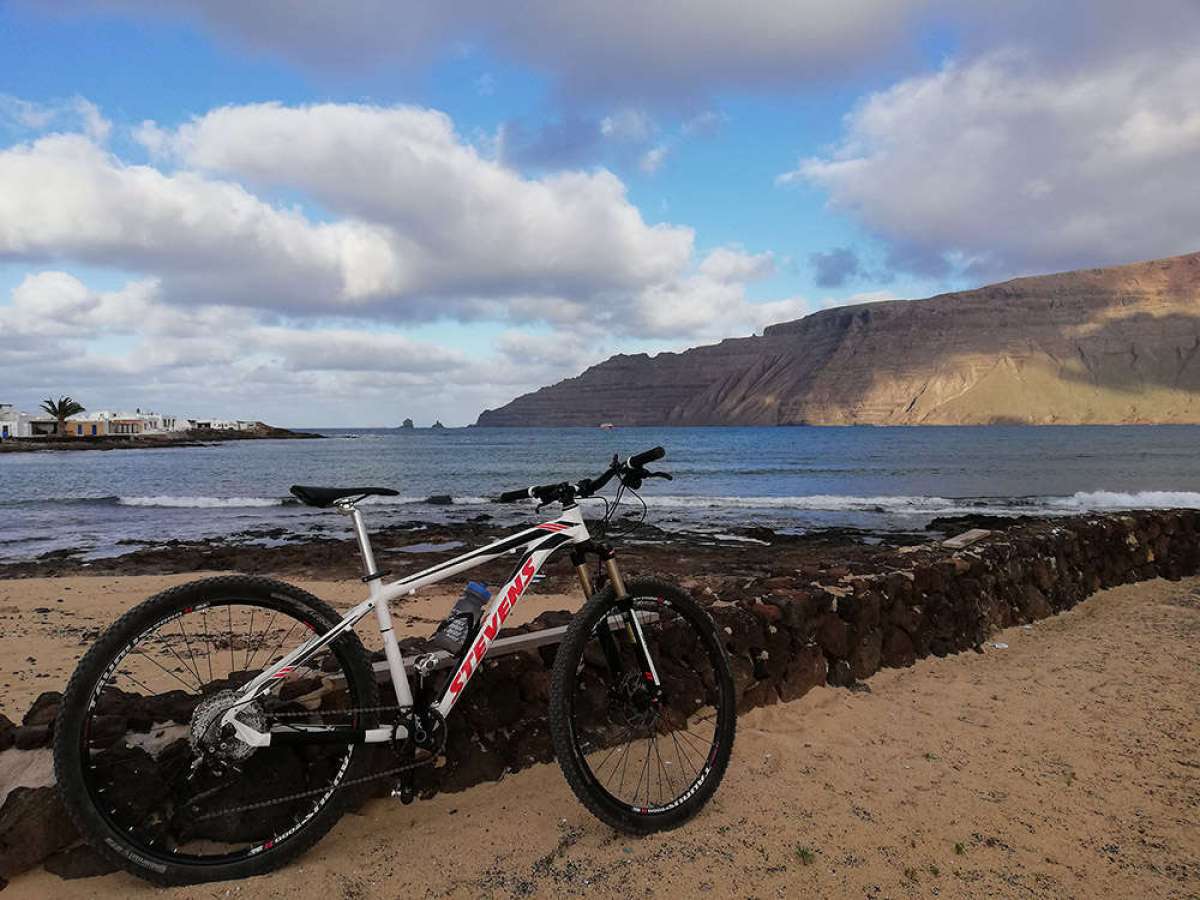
{"points": [[33, 825]]}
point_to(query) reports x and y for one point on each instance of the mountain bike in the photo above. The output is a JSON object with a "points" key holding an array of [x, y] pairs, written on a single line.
{"points": [[220, 728]]}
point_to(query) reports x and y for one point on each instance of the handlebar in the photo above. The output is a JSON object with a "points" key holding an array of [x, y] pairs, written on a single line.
{"points": [[640, 459], [631, 473]]}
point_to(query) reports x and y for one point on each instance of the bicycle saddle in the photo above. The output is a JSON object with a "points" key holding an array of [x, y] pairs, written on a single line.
{"points": [[325, 496]]}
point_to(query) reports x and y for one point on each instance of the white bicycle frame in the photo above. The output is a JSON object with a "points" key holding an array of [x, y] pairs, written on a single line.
{"points": [[536, 544]]}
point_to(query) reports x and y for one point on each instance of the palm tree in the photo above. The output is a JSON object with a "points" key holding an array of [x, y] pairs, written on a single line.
{"points": [[62, 409]]}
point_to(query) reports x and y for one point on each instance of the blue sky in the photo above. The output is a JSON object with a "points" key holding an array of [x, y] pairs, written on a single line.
{"points": [[749, 168]]}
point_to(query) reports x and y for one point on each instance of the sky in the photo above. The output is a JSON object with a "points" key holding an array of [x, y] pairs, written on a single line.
{"points": [[346, 214]]}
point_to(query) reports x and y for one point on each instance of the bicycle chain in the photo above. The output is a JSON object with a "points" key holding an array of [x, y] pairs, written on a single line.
{"points": [[353, 782]]}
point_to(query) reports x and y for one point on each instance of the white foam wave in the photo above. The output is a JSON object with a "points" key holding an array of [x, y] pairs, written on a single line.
{"points": [[200, 502], [1081, 501], [169, 501], [825, 502], [1086, 500]]}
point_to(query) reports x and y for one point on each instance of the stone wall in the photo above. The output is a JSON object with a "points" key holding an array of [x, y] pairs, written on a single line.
{"points": [[785, 636]]}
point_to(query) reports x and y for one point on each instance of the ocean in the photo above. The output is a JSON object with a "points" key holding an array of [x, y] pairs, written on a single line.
{"points": [[797, 479]]}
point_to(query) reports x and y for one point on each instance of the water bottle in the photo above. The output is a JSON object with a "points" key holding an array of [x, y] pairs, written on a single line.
{"points": [[460, 624]]}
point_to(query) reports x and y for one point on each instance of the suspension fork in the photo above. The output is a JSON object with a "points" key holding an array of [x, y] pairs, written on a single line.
{"points": [[633, 628]]}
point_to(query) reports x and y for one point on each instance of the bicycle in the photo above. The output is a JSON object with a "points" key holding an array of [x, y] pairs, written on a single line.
{"points": [[235, 768]]}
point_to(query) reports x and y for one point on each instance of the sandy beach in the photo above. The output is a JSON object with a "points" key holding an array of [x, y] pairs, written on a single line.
{"points": [[1061, 765], [47, 624]]}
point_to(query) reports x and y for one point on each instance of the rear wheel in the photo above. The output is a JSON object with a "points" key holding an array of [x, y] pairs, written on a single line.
{"points": [[643, 757], [143, 767]]}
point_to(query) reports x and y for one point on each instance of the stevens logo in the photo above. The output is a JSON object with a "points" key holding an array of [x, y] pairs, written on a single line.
{"points": [[492, 626]]}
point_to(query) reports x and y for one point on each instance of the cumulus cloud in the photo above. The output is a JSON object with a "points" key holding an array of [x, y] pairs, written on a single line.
{"points": [[64, 197], [422, 224], [1006, 164], [460, 219]]}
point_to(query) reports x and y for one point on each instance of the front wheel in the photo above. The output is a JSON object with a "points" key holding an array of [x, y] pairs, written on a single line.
{"points": [[642, 706]]}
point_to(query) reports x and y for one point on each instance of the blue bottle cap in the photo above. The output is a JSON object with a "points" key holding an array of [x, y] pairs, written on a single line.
{"points": [[478, 587]]}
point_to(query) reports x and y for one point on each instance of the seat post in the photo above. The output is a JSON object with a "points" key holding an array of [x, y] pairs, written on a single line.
{"points": [[364, 539]]}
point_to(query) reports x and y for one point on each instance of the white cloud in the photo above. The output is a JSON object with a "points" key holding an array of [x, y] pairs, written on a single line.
{"points": [[703, 124], [459, 220], [61, 335], [631, 125], [26, 115], [63, 197], [711, 302], [1003, 165], [653, 159], [725, 264], [427, 226]]}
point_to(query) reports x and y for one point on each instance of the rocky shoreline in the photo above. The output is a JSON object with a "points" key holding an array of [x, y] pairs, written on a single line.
{"points": [[408, 547], [193, 438]]}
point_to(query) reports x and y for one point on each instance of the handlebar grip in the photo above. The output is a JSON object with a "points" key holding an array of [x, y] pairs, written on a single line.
{"points": [[646, 456], [513, 496]]}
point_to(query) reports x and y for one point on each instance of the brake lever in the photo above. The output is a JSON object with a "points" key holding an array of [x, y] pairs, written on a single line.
{"points": [[667, 475]]}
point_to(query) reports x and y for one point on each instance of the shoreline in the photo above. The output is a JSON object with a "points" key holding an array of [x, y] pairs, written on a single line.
{"points": [[408, 547], [204, 438]]}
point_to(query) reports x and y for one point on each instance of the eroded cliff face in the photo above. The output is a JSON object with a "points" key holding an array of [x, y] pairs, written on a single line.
{"points": [[1117, 345]]}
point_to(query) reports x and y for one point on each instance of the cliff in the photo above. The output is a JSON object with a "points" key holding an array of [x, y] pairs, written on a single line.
{"points": [[1116, 345]]}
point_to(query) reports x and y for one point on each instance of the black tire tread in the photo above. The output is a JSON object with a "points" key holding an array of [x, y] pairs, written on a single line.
{"points": [[72, 789], [562, 680]]}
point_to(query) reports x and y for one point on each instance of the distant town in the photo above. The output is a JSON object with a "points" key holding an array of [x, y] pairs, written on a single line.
{"points": [[65, 420]]}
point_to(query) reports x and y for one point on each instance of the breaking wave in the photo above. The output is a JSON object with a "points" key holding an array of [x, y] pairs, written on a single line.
{"points": [[1089, 500], [201, 502], [168, 501], [1082, 501]]}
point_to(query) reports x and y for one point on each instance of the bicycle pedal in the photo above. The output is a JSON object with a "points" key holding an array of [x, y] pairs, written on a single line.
{"points": [[405, 793]]}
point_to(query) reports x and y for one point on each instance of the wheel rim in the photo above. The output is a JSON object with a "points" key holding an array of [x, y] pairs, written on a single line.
{"points": [[149, 745], [643, 750]]}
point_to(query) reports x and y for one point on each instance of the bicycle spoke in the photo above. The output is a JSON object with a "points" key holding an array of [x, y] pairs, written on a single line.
{"points": [[249, 631], [665, 731], [179, 790], [207, 644], [164, 668], [258, 646], [191, 655]]}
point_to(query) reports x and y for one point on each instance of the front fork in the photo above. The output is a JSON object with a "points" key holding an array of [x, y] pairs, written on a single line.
{"points": [[633, 628]]}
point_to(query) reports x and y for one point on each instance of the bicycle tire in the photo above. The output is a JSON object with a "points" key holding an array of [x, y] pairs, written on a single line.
{"points": [[571, 755]]}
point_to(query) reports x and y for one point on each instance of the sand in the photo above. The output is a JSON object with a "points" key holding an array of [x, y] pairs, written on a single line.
{"points": [[1066, 765], [47, 624]]}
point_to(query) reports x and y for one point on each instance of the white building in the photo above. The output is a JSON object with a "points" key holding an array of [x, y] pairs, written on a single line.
{"points": [[222, 424], [103, 421], [160, 423], [14, 423]]}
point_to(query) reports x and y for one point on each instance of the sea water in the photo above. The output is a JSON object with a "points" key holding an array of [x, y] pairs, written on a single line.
{"points": [[797, 479]]}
